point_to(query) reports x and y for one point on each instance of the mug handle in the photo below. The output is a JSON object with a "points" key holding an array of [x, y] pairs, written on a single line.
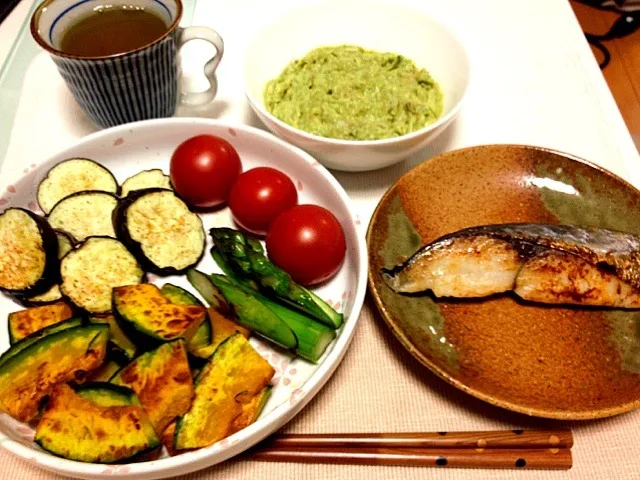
{"points": [[203, 33]]}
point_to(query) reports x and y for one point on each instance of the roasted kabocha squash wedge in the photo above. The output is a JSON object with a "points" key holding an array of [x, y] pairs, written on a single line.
{"points": [[234, 368], [80, 429], [180, 296], [25, 322], [162, 380], [29, 376], [147, 315], [121, 348], [107, 394], [104, 372], [249, 414], [251, 410], [167, 439], [18, 347], [223, 328]]}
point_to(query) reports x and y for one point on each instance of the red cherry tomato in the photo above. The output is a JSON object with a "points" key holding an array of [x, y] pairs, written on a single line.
{"points": [[308, 242], [259, 196], [203, 169]]}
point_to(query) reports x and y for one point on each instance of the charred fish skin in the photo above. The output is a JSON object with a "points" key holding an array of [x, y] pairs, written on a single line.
{"points": [[464, 254]]}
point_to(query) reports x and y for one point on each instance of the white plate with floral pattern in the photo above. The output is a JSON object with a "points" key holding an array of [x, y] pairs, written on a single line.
{"points": [[131, 148]]}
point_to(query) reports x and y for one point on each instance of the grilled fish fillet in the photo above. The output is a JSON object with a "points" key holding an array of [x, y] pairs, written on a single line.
{"points": [[557, 264]]}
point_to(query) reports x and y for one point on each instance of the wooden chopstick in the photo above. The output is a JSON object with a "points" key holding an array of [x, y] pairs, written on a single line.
{"points": [[495, 439], [549, 450], [538, 458]]}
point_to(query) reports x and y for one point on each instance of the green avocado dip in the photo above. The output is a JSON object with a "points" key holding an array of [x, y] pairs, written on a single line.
{"points": [[350, 93]]}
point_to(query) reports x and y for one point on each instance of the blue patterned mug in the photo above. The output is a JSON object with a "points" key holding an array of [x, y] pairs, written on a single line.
{"points": [[136, 85]]}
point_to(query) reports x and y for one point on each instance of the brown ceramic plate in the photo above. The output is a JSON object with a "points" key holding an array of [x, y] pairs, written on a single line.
{"points": [[556, 362]]}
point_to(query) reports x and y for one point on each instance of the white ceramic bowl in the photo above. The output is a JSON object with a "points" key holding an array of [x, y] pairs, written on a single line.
{"points": [[130, 148], [381, 27]]}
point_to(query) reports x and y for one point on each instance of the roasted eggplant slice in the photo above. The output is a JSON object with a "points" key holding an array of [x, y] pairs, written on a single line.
{"points": [[148, 316], [91, 271], [85, 214], [75, 428], [160, 230], [154, 178], [30, 375], [71, 176], [25, 322], [234, 369], [162, 380], [29, 253], [50, 296], [65, 245]]}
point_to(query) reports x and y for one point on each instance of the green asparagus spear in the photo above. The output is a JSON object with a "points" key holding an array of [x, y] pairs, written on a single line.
{"points": [[212, 295], [228, 270], [313, 337], [246, 257], [253, 314]]}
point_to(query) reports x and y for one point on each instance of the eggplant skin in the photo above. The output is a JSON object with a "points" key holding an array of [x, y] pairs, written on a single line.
{"points": [[51, 273], [119, 218]]}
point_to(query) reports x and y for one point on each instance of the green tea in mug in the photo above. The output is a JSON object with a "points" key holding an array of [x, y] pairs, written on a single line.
{"points": [[109, 30]]}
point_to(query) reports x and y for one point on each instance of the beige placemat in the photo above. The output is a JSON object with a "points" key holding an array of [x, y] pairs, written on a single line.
{"points": [[379, 387]]}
